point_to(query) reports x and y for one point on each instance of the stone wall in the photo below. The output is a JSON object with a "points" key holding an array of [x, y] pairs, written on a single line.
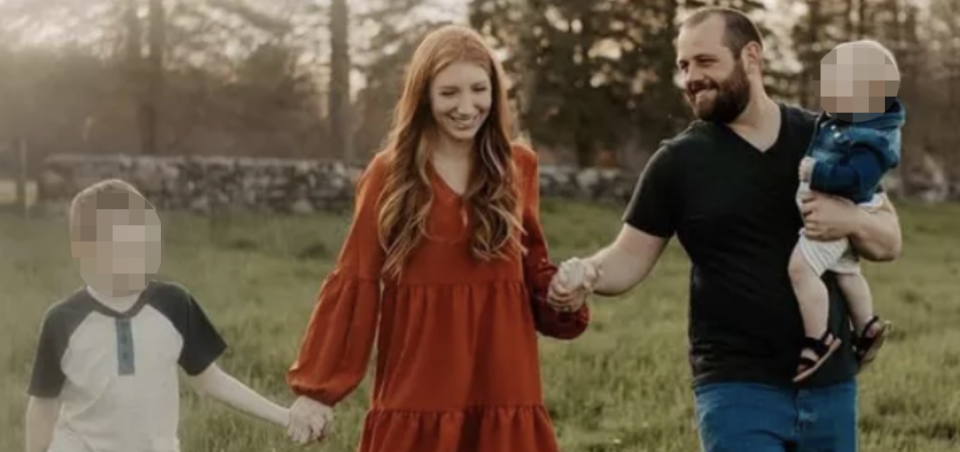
{"points": [[211, 185]]}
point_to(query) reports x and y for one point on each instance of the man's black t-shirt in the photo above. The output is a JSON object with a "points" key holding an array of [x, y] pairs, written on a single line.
{"points": [[733, 209]]}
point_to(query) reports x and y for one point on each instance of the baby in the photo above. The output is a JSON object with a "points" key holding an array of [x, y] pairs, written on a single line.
{"points": [[856, 141], [105, 374]]}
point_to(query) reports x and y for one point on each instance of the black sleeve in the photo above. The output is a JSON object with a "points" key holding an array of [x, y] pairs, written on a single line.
{"points": [[59, 323], [654, 207], [202, 344], [47, 378]]}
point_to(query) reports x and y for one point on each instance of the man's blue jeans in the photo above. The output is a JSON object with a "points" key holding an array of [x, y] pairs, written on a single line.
{"points": [[748, 417]]}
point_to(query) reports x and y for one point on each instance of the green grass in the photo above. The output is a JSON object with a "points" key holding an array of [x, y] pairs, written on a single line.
{"points": [[623, 386]]}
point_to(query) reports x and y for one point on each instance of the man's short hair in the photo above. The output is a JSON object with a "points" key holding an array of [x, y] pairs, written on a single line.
{"points": [[739, 30], [110, 194]]}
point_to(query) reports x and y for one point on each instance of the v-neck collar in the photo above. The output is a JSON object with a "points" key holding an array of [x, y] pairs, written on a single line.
{"points": [[443, 182], [770, 151]]}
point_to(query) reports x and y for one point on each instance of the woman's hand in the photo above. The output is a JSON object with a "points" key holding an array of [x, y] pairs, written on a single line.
{"points": [[309, 420], [574, 281]]}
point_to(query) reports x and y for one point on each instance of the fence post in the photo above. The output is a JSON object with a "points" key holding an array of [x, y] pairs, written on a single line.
{"points": [[21, 150]]}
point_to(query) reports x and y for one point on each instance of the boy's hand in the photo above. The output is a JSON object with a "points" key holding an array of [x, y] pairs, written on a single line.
{"points": [[309, 420], [806, 168]]}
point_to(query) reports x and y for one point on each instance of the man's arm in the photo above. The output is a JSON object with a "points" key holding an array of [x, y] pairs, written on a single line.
{"points": [[874, 234], [627, 261], [216, 383], [42, 414], [648, 223], [877, 236]]}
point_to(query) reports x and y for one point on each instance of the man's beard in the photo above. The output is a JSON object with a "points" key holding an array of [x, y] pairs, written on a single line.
{"points": [[731, 98]]}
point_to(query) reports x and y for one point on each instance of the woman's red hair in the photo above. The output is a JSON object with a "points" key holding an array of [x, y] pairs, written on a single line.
{"points": [[490, 196]]}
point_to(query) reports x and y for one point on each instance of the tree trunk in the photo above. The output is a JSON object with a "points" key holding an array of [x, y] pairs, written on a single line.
{"points": [[907, 53], [584, 145], [22, 172], [811, 78], [897, 24], [848, 20], [862, 19], [340, 81], [134, 66], [153, 78]]}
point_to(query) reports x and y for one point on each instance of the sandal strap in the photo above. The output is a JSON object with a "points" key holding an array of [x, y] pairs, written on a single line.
{"points": [[869, 325], [819, 346], [861, 340]]}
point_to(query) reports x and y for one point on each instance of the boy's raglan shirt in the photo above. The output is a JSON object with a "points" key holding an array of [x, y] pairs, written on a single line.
{"points": [[116, 372]]}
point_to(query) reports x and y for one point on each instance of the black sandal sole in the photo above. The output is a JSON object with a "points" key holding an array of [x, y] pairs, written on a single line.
{"points": [[822, 349]]}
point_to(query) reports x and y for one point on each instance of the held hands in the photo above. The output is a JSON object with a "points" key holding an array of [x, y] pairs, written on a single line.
{"points": [[575, 279], [309, 420], [806, 168]]}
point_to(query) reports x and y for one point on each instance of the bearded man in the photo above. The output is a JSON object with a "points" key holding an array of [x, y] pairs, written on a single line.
{"points": [[726, 188]]}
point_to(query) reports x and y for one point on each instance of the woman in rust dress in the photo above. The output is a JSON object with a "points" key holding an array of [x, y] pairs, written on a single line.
{"points": [[445, 267]]}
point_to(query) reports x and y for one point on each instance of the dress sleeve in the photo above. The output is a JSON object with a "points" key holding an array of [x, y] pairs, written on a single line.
{"points": [[539, 270], [337, 345]]}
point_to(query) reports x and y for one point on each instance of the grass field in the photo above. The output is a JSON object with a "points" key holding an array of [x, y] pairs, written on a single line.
{"points": [[623, 386]]}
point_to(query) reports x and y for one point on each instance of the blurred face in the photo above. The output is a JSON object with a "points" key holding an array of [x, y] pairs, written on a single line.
{"points": [[461, 96], [716, 84], [857, 82], [126, 253]]}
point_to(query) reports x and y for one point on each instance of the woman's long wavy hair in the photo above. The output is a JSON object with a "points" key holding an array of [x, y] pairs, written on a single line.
{"points": [[490, 196]]}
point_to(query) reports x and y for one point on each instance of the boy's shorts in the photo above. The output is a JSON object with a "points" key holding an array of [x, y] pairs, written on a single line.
{"points": [[836, 256]]}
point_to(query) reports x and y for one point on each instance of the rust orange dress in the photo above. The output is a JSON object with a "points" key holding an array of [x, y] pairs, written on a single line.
{"points": [[457, 359]]}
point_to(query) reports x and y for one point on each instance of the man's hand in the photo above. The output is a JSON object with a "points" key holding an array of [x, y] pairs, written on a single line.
{"points": [[806, 168], [874, 233], [309, 420], [828, 217], [574, 280]]}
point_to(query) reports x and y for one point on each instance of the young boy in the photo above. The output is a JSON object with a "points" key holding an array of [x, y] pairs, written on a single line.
{"points": [[105, 374], [857, 140]]}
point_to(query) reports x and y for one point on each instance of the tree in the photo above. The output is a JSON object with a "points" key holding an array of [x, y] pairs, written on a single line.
{"points": [[340, 128], [383, 62], [503, 24], [938, 81], [582, 69], [823, 25], [592, 75], [104, 80], [149, 110]]}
